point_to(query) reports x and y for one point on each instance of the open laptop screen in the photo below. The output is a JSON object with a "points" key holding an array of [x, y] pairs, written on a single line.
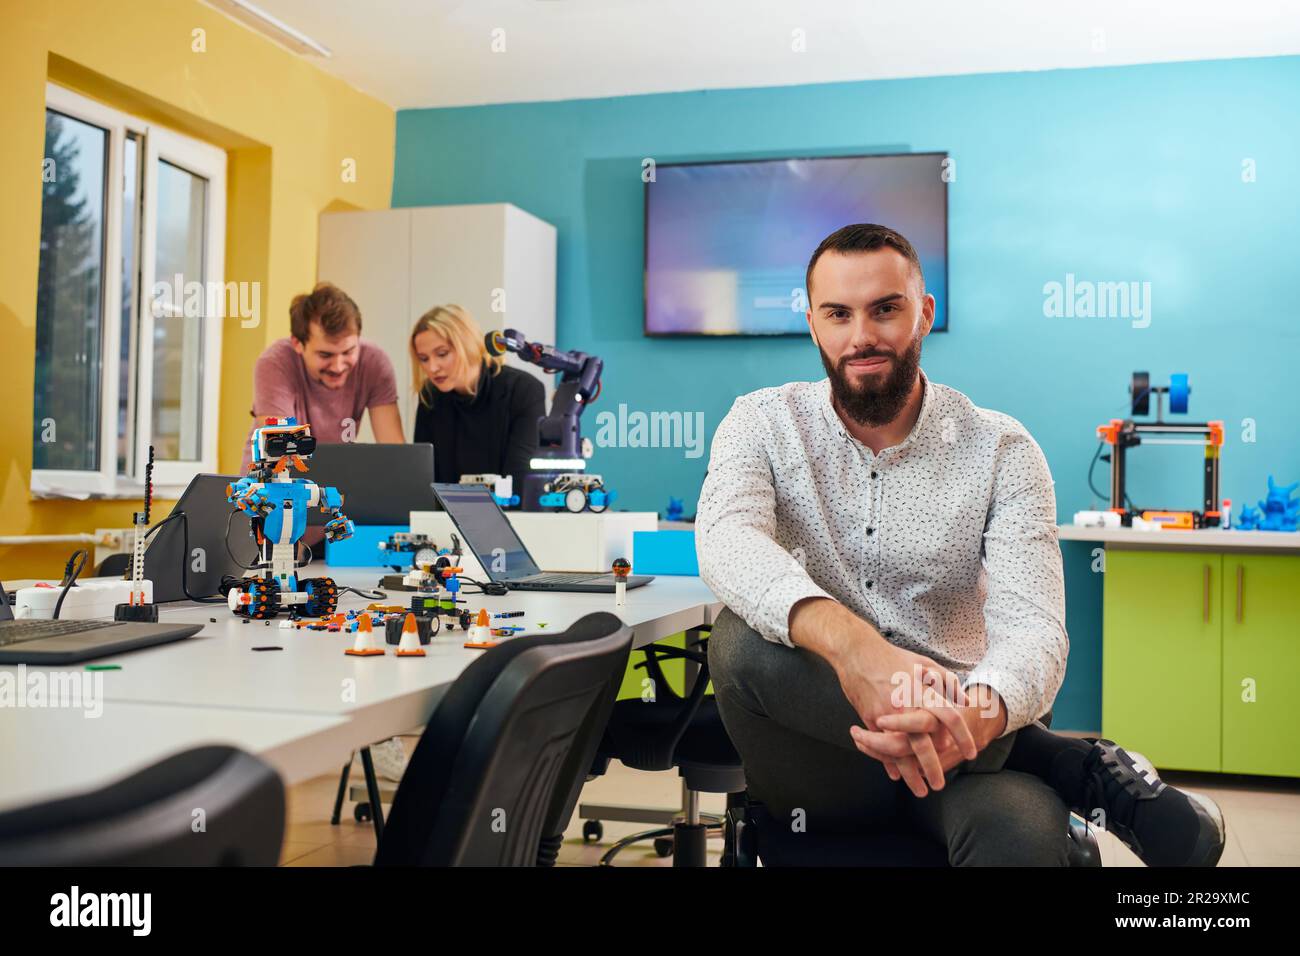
{"points": [[380, 484], [487, 531]]}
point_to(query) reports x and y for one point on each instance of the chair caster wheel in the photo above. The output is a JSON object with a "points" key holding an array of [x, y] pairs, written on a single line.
{"points": [[663, 846], [592, 831], [361, 813]]}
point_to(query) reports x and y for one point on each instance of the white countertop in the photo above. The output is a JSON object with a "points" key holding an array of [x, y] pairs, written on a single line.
{"points": [[1202, 539]]}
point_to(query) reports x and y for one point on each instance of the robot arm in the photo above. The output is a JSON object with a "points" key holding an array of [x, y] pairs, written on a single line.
{"points": [[247, 494], [558, 433], [339, 526], [579, 368]]}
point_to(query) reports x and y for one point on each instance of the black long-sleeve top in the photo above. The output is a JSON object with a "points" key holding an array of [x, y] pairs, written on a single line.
{"points": [[492, 432]]}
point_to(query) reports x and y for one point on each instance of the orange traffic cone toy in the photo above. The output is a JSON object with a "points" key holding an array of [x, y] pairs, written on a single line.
{"points": [[410, 643], [480, 633], [365, 645]]}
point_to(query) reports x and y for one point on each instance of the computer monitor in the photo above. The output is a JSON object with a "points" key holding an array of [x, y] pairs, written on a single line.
{"points": [[380, 484]]}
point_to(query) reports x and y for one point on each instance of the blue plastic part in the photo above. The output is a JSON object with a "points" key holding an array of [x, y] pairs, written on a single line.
{"points": [[667, 552], [674, 510], [362, 549], [1277, 512], [551, 499], [600, 498], [1178, 392], [511, 502]]}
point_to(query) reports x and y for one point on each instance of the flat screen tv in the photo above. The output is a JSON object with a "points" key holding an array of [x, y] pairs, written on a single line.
{"points": [[727, 243]]}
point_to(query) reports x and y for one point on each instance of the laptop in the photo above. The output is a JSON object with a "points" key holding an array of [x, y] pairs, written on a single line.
{"points": [[41, 641], [489, 535], [380, 484], [217, 542]]}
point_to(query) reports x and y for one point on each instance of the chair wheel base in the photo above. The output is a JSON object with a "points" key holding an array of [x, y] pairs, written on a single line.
{"points": [[689, 844]]}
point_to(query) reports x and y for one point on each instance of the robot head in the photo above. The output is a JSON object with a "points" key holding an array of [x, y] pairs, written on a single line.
{"points": [[278, 437]]}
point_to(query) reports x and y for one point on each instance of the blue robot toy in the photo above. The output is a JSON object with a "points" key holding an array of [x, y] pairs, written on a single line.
{"points": [[276, 503]]}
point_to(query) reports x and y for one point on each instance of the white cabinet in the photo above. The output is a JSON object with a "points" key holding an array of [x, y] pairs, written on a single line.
{"points": [[494, 259], [558, 541]]}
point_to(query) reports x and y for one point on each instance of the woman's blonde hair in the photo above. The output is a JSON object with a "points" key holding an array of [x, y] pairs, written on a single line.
{"points": [[462, 333]]}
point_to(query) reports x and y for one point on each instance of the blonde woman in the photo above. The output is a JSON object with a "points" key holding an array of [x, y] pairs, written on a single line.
{"points": [[480, 415]]}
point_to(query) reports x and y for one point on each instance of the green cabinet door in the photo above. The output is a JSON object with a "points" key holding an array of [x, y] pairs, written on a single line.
{"points": [[1261, 660], [1162, 682]]}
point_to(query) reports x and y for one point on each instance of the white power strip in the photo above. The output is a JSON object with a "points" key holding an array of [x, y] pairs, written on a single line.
{"points": [[87, 600]]}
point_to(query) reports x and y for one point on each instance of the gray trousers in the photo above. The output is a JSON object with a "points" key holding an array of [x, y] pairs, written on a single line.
{"points": [[789, 719]]}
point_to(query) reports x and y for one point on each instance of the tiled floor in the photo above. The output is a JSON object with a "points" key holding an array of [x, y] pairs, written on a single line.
{"points": [[1262, 814]]}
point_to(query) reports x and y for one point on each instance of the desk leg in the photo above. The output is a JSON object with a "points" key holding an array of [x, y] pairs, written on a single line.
{"points": [[372, 789]]}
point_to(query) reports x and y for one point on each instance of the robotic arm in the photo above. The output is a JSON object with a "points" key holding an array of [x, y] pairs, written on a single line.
{"points": [[558, 433]]}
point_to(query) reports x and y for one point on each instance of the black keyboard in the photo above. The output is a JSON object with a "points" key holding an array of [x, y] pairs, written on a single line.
{"points": [[13, 632], [557, 577]]}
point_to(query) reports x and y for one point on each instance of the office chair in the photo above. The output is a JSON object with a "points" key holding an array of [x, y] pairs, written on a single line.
{"points": [[670, 731], [114, 566], [752, 834], [577, 767], [487, 780], [149, 818]]}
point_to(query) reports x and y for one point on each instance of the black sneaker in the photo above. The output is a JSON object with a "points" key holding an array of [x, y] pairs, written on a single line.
{"points": [[1163, 825]]}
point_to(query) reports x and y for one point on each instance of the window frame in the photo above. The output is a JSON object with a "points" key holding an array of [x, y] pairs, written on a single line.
{"points": [[155, 144]]}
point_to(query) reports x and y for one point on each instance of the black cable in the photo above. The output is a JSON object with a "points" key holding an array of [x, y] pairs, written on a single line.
{"points": [[490, 588], [230, 554], [1091, 468], [185, 540], [361, 592], [70, 575], [1093, 488]]}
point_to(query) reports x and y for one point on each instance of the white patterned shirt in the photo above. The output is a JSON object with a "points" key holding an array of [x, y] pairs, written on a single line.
{"points": [[946, 542]]}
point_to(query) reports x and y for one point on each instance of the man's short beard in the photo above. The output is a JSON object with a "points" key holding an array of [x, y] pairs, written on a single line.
{"points": [[871, 404]]}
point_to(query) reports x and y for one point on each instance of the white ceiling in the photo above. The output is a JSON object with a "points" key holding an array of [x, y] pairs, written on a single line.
{"points": [[420, 53]]}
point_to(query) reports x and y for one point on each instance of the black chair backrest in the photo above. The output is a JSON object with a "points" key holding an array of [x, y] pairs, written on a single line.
{"points": [[488, 773], [211, 806], [653, 745], [578, 765]]}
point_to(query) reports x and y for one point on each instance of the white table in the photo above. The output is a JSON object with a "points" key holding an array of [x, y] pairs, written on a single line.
{"points": [[48, 753], [317, 703]]}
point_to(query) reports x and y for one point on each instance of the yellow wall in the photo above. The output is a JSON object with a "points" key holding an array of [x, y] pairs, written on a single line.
{"points": [[287, 128]]}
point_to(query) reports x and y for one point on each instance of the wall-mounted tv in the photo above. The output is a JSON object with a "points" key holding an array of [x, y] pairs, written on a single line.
{"points": [[727, 243]]}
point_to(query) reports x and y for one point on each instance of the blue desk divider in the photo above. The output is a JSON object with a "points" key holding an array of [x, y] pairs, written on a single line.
{"points": [[362, 549], [669, 552]]}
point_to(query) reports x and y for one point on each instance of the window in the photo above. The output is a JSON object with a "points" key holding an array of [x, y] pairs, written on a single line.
{"points": [[129, 303]]}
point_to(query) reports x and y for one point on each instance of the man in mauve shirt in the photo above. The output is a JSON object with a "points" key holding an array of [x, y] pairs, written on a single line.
{"points": [[324, 374]]}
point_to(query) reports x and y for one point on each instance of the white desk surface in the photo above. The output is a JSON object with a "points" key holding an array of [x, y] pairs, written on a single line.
{"points": [[1201, 539], [49, 753], [316, 702]]}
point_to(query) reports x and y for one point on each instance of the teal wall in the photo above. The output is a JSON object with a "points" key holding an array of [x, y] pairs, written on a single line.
{"points": [[1127, 174]]}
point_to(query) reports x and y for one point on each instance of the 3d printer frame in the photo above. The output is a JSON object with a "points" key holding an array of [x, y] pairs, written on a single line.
{"points": [[1125, 433]]}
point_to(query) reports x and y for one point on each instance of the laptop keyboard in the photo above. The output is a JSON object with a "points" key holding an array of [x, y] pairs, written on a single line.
{"points": [[552, 577], [13, 632]]}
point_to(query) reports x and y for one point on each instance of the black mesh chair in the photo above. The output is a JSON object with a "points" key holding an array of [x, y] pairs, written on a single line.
{"points": [[147, 819], [752, 834], [666, 732], [505, 751]]}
